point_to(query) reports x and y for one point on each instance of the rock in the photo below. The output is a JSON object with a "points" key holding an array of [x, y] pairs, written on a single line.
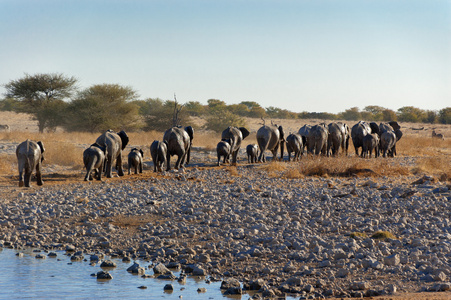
{"points": [[233, 291], [391, 289], [108, 264], [103, 275], [161, 269], [136, 269], [230, 283], [168, 287], [392, 260], [360, 285], [202, 290], [198, 271]]}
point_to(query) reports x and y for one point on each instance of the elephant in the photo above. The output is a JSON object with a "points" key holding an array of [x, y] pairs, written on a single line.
{"points": [[252, 153], [335, 138], [29, 156], [384, 127], [388, 142], [270, 137], [135, 160], [236, 136], [158, 151], [114, 144], [345, 136], [294, 144], [304, 132], [94, 160], [370, 143], [317, 139], [358, 132], [179, 141], [223, 150]]}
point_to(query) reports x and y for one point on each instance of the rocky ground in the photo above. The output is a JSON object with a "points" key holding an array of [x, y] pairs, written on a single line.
{"points": [[310, 236]]}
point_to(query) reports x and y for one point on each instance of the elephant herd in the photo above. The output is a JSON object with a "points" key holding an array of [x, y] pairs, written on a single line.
{"points": [[318, 139]]}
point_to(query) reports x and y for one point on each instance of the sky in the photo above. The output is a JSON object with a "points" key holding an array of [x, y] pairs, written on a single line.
{"points": [[315, 56]]}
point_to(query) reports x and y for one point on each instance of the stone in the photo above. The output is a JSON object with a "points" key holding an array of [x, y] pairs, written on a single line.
{"points": [[103, 275], [392, 260]]}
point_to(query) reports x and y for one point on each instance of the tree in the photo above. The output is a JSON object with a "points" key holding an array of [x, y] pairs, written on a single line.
{"points": [[221, 121], [445, 115], [238, 109], [389, 115], [194, 108], [37, 94], [102, 107], [376, 112], [411, 114], [351, 114]]}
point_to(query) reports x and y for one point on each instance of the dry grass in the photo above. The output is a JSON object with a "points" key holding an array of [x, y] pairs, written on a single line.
{"points": [[382, 235]]}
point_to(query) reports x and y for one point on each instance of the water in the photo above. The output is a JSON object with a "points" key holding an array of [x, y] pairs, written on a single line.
{"points": [[26, 277]]}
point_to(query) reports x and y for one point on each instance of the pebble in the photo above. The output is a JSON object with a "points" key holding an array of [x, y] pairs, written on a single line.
{"points": [[265, 231]]}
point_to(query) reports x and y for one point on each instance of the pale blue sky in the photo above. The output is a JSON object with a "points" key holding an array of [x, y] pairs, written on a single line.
{"points": [[318, 55]]}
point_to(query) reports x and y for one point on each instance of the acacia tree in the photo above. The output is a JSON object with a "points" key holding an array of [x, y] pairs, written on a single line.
{"points": [[101, 107], [42, 95]]}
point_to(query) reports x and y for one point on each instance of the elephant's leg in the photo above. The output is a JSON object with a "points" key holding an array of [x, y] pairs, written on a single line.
{"points": [[38, 174], [108, 167], [141, 167], [179, 162], [120, 172], [168, 159], [21, 169], [27, 178]]}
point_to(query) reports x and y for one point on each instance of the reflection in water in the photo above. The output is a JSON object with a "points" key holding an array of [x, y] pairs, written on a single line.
{"points": [[25, 276]]}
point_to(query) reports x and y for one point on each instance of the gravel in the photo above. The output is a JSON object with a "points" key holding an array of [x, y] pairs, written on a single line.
{"points": [[276, 234]]}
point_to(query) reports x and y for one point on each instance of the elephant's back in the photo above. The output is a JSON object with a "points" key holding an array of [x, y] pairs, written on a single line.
{"points": [[27, 148]]}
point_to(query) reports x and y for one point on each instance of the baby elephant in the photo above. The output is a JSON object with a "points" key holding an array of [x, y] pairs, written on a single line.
{"points": [[370, 143], [252, 153], [158, 151], [223, 150], [29, 156], [135, 160], [94, 160]]}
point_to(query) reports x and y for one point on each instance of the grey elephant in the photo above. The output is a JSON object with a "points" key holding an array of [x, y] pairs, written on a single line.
{"points": [[358, 132], [335, 139], [236, 136], [114, 144], [295, 145], [94, 161], [345, 136], [158, 151], [223, 150], [179, 141], [270, 137], [317, 139], [30, 156], [370, 144], [135, 160], [388, 142], [252, 153], [304, 132]]}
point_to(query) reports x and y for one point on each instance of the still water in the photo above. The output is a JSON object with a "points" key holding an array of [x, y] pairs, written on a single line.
{"points": [[26, 277]]}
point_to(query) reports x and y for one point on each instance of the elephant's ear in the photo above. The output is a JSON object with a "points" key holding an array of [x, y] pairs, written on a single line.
{"points": [[398, 134], [244, 132], [282, 133], [142, 153], [124, 139], [374, 128], [190, 132], [41, 146], [395, 125]]}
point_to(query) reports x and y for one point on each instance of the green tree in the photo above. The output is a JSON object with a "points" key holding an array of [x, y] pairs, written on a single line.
{"points": [[411, 114], [37, 94], [351, 114], [389, 115], [221, 121], [238, 109], [194, 108], [158, 114], [445, 115], [375, 113], [103, 106], [216, 106]]}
